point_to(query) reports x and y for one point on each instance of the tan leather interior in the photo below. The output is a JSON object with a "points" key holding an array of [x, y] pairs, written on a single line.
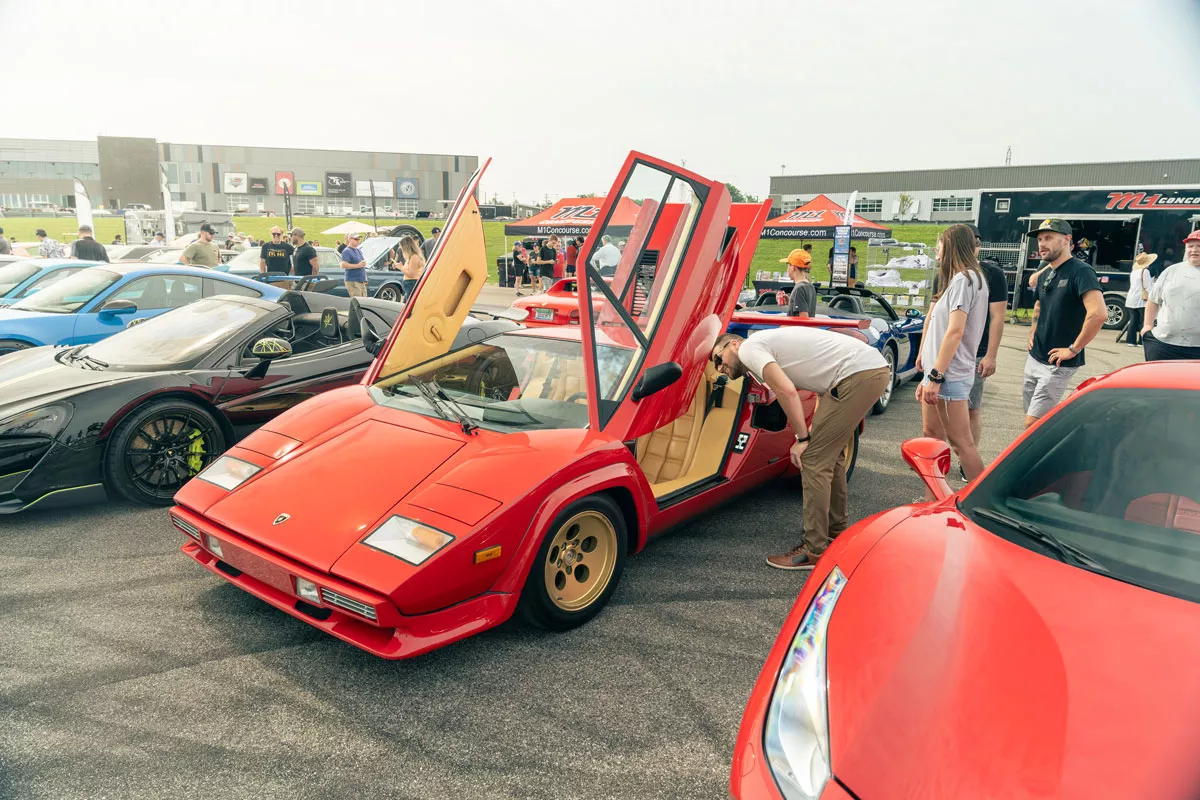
{"points": [[691, 448], [556, 378]]}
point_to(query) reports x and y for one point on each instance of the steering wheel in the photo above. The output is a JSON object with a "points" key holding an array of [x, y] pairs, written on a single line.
{"points": [[372, 342], [577, 396]]}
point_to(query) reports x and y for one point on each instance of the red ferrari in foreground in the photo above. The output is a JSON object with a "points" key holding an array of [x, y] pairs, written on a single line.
{"points": [[1034, 635], [518, 471]]}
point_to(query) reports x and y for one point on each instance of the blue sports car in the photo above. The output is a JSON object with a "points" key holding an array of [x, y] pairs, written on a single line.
{"points": [[99, 301], [21, 278], [896, 336]]}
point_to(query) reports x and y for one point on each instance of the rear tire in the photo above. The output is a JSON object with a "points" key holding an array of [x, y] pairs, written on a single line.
{"points": [[12, 345], [158, 448], [1117, 315], [885, 399], [577, 567]]}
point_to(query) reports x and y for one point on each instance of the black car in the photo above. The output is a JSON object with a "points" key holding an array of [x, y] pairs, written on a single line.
{"points": [[141, 412]]}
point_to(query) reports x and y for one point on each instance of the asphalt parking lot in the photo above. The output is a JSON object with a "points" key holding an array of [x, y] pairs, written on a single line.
{"points": [[127, 671]]}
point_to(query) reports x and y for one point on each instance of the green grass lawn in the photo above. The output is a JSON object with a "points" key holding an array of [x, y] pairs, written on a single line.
{"points": [[766, 257]]}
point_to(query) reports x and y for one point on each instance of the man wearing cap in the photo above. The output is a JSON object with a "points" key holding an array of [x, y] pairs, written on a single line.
{"points": [[803, 302], [304, 260], [85, 248], [1175, 304], [49, 248], [1068, 312], [275, 256], [430, 243], [355, 267], [203, 252], [160, 239]]}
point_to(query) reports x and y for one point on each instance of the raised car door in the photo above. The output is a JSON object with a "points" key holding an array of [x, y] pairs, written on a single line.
{"points": [[456, 273], [659, 291]]}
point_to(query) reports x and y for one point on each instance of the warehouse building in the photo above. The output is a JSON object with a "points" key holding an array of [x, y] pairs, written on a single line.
{"points": [[121, 171], [954, 195]]}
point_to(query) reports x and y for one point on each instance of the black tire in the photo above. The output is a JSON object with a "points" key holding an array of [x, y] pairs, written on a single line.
{"points": [[186, 438], [1117, 316], [392, 292], [852, 456], [563, 611], [885, 399], [12, 345]]}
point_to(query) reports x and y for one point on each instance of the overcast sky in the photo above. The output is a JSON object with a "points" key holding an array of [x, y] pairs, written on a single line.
{"points": [[558, 92]]}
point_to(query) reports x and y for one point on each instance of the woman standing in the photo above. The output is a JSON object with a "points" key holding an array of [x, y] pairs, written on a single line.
{"points": [[952, 334], [413, 266], [1140, 284]]}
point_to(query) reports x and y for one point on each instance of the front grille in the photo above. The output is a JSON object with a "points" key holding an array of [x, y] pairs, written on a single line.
{"points": [[350, 604], [187, 527]]}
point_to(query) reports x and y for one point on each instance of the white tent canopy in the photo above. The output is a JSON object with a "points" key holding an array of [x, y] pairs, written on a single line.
{"points": [[349, 227]]}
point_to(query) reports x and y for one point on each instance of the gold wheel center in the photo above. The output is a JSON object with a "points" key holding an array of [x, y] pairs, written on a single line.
{"points": [[581, 560]]}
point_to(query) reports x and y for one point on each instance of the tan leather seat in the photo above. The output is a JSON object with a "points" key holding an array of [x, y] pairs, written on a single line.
{"points": [[555, 378], [666, 453]]}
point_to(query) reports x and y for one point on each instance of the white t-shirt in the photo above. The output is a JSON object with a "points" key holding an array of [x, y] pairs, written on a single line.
{"points": [[965, 293], [1139, 280], [607, 256], [1177, 293], [813, 359]]}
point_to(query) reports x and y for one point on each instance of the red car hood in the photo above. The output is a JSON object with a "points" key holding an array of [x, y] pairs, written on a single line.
{"points": [[962, 665], [335, 492]]}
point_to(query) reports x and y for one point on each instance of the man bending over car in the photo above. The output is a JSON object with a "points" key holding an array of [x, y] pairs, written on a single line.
{"points": [[848, 376]]}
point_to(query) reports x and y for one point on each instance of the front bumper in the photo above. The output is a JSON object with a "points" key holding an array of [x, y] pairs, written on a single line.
{"points": [[391, 634], [62, 476]]}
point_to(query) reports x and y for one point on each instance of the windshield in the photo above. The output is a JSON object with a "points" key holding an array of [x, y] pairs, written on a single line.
{"points": [[372, 248], [245, 260], [14, 273], [168, 255], [508, 382], [177, 337], [70, 294], [1115, 475]]}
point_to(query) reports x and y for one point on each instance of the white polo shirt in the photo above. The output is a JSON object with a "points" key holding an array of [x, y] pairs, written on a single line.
{"points": [[1177, 293], [813, 359]]}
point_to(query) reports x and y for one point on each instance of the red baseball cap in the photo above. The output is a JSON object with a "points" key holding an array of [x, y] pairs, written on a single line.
{"points": [[1194, 236]]}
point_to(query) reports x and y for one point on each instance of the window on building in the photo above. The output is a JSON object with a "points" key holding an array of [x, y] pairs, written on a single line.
{"points": [[406, 208], [1003, 204], [964, 204], [308, 205], [869, 205]]}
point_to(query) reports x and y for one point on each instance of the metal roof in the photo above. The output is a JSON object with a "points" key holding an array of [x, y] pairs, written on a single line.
{"points": [[1115, 173]]}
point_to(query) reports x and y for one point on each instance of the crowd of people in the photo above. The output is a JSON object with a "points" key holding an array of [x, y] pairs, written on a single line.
{"points": [[959, 345], [538, 263]]}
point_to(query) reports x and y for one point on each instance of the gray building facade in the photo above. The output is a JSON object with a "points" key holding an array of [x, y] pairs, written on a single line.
{"points": [[952, 195], [119, 171]]}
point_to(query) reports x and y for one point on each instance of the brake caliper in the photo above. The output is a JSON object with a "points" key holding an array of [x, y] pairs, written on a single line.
{"points": [[196, 452]]}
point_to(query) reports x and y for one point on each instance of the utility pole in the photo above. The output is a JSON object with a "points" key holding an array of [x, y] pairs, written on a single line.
{"points": [[1008, 157]]}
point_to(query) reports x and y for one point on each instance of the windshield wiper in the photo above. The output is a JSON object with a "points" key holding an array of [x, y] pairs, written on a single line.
{"points": [[1066, 552], [77, 354], [442, 403]]}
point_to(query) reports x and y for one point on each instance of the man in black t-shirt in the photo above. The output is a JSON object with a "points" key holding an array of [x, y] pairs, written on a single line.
{"points": [[304, 259], [275, 257], [1067, 314], [86, 248]]}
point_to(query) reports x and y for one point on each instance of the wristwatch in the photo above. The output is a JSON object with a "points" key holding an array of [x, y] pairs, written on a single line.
{"points": [[1074, 352], [805, 438], [935, 376]]}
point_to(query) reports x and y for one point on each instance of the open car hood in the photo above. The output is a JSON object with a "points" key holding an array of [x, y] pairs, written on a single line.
{"points": [[353, 480], [962, 665]]}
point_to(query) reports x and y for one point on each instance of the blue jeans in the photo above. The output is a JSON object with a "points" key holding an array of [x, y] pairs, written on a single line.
{"points": [[407, 286]]}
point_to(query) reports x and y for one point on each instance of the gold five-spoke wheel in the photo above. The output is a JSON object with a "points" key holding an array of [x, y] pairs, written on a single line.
{"points": [[580, 560]]}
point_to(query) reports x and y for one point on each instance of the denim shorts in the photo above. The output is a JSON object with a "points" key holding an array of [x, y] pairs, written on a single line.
{"points": [[953, 390]]}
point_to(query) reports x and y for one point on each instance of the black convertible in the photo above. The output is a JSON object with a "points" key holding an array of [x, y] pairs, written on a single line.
{"points": [[141, 412]]}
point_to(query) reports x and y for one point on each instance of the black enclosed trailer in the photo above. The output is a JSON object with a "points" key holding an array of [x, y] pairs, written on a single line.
{"points": [[1114, 221]]}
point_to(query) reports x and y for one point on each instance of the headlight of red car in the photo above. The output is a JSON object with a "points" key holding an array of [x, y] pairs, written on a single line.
{"points": [[229, 472], [407, 539], [796, 735]]}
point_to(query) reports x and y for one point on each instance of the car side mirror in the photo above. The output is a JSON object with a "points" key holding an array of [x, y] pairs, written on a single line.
{"points": [[930, 459], [912, 313], [115, 307], [657, 378], [269, 348]]}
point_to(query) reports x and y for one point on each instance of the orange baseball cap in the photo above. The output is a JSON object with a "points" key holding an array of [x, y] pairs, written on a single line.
{"points": [[800, 259], [1194, 236]]}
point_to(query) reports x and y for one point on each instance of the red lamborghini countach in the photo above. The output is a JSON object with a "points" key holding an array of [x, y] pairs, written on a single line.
{"points": [[457, 486], [1034, 635]]}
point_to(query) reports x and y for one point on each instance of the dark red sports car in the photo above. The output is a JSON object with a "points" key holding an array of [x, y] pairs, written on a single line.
{"points": [[518, 471], [1034, 635]]}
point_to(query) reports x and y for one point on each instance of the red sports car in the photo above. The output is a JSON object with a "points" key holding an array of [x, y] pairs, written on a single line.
{"points": [[1034, 635], [454, 487]]}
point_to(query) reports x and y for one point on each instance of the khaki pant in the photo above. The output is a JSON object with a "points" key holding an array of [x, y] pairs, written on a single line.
{"points": [[823, 464], [356, 289]]}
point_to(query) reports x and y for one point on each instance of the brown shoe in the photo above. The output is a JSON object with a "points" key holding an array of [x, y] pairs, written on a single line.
{"points": [[798, 559]]}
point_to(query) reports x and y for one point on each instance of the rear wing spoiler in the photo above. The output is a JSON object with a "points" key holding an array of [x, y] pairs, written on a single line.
{"points": [[782, 320]]}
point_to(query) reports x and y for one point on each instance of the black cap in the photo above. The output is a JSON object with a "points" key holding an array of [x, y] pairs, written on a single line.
{"points": [[40, 232], [975, 231], [206, 228], [159, 233], [1053, 225]]}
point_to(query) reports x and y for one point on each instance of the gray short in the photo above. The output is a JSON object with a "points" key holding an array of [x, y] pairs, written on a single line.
{"points": [[1044, 386], [975, 399]]}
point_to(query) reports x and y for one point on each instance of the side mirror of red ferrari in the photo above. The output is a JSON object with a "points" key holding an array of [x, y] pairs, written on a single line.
{"points": [[929, 458]]}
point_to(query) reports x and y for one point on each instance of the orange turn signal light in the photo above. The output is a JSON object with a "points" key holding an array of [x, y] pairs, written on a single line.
{"points": [[487, 554]]}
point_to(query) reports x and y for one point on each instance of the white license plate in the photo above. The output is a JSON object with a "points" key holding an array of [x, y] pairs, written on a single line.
{"points": [[543, 314]]}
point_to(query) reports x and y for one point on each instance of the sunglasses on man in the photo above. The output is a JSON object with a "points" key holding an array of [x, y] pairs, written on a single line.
{"points": [[716, 356]]}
